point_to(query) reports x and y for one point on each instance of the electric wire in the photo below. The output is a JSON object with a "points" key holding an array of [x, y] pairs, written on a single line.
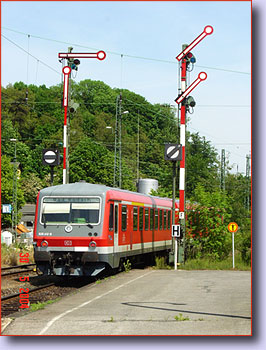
{"points": [[126, 55], [21, 48]]}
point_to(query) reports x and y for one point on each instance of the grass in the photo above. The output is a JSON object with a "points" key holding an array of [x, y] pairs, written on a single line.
{"points": [[209, 264], [180, 317], [205, 264], [10, 254], [127, 266], [39, 305], [160, 263]]}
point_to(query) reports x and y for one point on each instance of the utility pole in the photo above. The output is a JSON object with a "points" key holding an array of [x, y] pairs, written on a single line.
{"points": [[222, 184], [247, 179], [120, 140], [138, 153], [72, 63], [14, 196], [184, 101], [116, 135]]}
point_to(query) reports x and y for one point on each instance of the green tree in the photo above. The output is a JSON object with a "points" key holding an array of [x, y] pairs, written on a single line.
{"points": [[7, 172], [202, 164], [30, 187]]}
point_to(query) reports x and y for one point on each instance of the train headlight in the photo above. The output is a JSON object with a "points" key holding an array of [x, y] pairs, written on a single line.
{"points": [[92, 244], [44, 244]]}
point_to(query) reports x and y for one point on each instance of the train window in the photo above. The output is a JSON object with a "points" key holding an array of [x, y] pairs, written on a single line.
{"points": [[124, 217], [70, 210], [135, 218], [141, 218], [161, 220], [152, 220], [146, 219], [156, 219], [111, 217], [164, 219], [169, 219]]}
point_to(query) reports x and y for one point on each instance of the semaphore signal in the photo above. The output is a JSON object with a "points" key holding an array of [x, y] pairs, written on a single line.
{"points": [[183, 100], [73, 62]]}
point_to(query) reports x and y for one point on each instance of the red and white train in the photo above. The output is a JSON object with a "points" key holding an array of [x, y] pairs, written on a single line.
{"points": [[82, 229]]}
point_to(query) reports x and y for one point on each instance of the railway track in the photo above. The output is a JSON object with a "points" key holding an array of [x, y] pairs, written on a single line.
{"points": [[10, 304], [11, 296], [41, 289], [23, 269]]}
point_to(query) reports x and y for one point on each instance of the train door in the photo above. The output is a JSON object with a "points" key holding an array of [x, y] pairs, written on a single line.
{"points": [[116, 227]]}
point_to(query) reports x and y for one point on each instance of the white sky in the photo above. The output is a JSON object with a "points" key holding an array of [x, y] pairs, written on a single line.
{"points": [[153, 30]]}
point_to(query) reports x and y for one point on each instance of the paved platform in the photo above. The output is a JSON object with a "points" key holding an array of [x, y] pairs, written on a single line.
{"points": [[149, 302]]}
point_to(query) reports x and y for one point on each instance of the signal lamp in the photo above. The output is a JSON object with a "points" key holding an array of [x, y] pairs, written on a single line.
{"points": [[76, 62], [44, 244], [73, 106], [191, 58], [190, 102], [74, 65]]}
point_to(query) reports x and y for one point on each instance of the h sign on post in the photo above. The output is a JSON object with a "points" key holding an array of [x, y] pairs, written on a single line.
{"points": [[176, 232]]}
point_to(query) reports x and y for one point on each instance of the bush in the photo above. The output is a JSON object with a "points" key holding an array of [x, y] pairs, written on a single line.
{"points": [[207, 234]]}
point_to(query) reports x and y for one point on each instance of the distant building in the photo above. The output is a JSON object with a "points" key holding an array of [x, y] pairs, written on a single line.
{"points": [[6, 237], [28, 216]]}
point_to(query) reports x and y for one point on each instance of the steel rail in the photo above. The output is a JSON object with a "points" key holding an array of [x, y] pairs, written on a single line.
{"points": [[10, 296]]}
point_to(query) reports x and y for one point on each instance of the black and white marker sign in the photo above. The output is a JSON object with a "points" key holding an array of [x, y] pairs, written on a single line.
{"points": [[176, 232], [50, 156], [173, 152]]}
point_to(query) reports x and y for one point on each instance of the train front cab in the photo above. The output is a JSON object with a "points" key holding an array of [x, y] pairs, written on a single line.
{"points": [[68, 237]]}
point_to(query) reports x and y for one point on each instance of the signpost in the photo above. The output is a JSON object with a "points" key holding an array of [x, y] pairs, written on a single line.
{"points": [[176, 234], [51, 157], [173, 152], [233, 227]]}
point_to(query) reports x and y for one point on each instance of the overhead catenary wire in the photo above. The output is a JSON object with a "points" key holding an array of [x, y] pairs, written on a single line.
{"points": [[21, 48], [125, 55]]}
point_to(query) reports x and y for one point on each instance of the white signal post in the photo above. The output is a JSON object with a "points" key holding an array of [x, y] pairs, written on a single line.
{"points": [[100, 55], [66, 72], [180, 100]]}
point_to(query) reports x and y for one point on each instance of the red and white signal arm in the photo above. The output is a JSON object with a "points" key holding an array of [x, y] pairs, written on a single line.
{"points": [[66, 71], [207, 31], [202, 76], [100, 55]]}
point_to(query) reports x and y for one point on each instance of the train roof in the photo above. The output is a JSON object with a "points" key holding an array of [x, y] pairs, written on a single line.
{"points": [[84, 188]]}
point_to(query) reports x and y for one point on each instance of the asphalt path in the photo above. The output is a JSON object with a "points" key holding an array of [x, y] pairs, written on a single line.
{"points": [[149, 302]]}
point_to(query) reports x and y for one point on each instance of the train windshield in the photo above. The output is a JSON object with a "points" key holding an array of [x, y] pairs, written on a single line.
{"points": [[70, 210]]}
